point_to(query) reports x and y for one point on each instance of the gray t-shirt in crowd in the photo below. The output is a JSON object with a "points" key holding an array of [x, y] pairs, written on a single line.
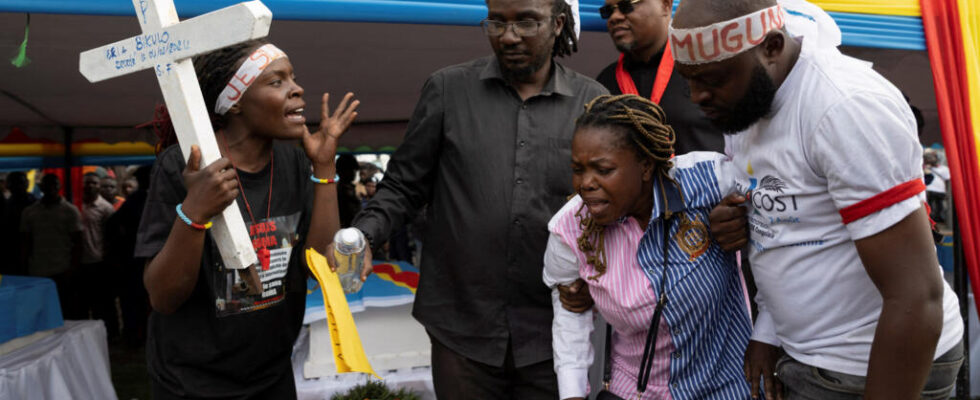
{"points": [[51, 228]]}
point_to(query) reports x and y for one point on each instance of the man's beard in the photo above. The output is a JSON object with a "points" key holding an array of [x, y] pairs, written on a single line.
{"points": [[625, 48], [538, 60], [755, 104]]}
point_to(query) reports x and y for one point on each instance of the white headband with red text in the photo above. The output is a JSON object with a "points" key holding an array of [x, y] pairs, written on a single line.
{"points": [[724, 40], [251, 68]]}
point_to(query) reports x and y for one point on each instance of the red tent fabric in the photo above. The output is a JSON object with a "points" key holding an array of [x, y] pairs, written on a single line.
{"points": [[941, 20]]}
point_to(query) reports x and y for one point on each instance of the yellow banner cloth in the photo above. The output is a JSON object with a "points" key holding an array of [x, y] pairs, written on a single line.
{"points": [[348, 353]]}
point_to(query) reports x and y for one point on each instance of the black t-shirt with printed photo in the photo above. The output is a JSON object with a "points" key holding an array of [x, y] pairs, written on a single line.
{"points": [[220, 342]]}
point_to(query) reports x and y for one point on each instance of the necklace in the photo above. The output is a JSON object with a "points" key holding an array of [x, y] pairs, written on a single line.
{"points": [[264, 255]]}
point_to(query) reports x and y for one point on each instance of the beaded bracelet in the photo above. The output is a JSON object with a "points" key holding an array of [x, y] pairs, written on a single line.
{"points": [[324, 181], [187, 220]]}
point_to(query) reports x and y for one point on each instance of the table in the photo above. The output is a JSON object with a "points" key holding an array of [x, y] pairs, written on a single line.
{"points": [[71, 362], [27, 305], [395, 344], [417, 378]]}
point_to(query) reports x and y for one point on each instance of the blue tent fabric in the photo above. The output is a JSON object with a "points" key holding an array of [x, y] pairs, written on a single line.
{"points": [[27, 305], [865, 30], [8, 164]]}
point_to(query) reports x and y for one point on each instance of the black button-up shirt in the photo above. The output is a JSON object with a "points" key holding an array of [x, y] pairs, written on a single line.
{"points": [[492, 169], [694, 131]]}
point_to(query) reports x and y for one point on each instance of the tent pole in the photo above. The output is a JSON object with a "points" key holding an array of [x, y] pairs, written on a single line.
{"points": [[962, 288], [68, 131]]}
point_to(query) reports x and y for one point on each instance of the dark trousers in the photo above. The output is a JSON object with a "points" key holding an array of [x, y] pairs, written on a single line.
{"points": [[457, 377], [68, 295], [937, 204], [98, 292], [806, 382], [283, 389], [134, 302]]}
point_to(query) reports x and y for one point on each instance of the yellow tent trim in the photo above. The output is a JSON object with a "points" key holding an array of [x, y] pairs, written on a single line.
{"points": [[909, 8], [77, 149], [970, 25]]}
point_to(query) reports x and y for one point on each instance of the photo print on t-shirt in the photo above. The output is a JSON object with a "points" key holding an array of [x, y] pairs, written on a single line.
{"points": [[278, 235]]}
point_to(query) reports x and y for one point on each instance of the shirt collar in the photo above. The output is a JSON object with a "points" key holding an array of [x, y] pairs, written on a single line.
{"points": [[654, 62], [558, 82], [784, 89], [675, 201]]}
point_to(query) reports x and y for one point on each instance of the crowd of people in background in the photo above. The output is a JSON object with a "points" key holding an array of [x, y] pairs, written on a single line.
{"points": [[86, 250], [357, 185]]}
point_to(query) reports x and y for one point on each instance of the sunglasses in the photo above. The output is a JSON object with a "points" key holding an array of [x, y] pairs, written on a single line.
{"points": [[624, 6]]}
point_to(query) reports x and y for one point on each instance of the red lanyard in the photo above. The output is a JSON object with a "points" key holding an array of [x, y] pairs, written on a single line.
{"points": [[263, 254], [666, 68]]}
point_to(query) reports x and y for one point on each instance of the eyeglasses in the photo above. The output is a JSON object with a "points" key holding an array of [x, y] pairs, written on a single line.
{"points": [[624, 6], [521, 28]]}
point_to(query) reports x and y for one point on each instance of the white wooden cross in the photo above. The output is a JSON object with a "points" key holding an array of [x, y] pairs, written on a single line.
{"points": [[166, 46]]}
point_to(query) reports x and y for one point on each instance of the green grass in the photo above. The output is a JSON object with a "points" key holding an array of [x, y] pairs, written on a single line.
{"points": [[375, 390]]}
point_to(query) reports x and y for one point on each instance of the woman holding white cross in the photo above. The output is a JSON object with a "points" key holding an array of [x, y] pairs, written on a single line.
{"points": [[211, 334]]}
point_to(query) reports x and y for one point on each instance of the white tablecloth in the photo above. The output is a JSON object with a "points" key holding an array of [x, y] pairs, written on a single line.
{"points": [[418, 379], [395, 344], [71, 363]]}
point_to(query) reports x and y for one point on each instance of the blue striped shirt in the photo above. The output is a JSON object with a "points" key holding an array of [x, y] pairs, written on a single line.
{"points": [[706, 307]]}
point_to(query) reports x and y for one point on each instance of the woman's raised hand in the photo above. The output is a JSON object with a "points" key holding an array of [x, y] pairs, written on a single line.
{"points": [[321, 146]]}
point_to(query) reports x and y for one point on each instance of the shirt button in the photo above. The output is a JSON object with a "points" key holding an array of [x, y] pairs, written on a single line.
{"points": [[517, 221], [674, 385], [524, 106], [522, 143], [520, 181], [677, 331], [677, 354]]}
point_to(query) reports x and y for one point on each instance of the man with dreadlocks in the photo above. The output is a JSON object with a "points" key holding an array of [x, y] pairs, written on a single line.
{"points": [[636, 231], [829, 161], [487, 150]]}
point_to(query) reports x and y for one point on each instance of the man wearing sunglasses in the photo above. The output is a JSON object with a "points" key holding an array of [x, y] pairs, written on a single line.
{"points": [[488, 149], [638, 29]]}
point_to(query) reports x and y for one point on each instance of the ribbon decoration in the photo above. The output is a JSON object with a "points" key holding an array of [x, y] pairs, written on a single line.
{"points": [[348, 353], [21, 60]]}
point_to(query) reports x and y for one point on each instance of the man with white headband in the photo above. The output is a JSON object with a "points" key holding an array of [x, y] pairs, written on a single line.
{"points": [[488, 150], [829, 166]]}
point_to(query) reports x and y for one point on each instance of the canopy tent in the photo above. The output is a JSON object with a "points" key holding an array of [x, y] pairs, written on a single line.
{"points": [[863, 22], [387, 65], [381, 49]]}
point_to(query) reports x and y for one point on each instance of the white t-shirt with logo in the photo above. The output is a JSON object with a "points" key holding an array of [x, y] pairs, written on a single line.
{"points": [[940, 174], [840, 136]]}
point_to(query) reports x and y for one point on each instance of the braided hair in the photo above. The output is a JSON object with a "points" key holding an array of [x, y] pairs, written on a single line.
{"points": [[565, 43], [641, 125], [214, 71]]}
